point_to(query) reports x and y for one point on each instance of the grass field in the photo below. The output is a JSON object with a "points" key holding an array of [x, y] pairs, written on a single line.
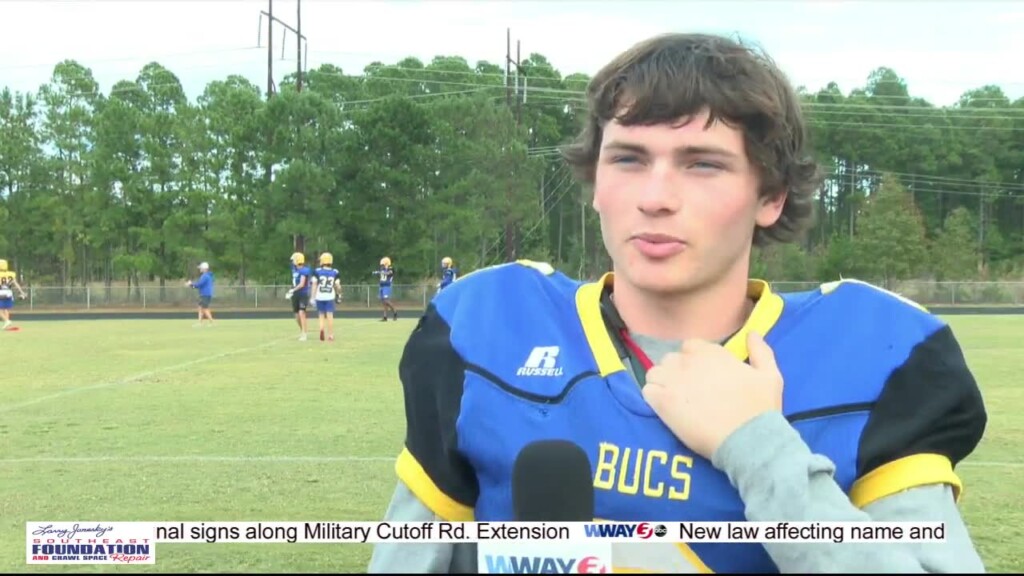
{"points": [[155, 420]]}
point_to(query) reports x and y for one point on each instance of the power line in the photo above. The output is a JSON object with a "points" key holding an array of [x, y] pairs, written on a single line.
{"points": [[558, 79], [546, 100], [546, 93]]}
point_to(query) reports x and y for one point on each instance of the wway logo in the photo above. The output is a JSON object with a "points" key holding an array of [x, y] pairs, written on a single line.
{"points": [[642, 530], [543, 361], [544, 565]]}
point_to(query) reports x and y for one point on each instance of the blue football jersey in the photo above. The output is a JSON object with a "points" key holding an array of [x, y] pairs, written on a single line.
{"points": [[325, 278], [518, 353], [448, 275], [298, 273]]}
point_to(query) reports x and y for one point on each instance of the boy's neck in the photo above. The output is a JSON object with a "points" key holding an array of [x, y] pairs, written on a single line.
{"points": [[710, 313]]}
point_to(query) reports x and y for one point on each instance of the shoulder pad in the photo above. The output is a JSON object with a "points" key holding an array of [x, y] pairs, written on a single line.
{"points": [[542, 267], [861, 289], [495, 284], [507, 267]]}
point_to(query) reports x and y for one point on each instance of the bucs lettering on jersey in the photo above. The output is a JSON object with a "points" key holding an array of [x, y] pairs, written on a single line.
{"points": [[325, 278]]}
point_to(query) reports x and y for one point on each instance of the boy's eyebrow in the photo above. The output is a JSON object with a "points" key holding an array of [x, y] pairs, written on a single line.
{"points": [[625, 147], [681, 151]]}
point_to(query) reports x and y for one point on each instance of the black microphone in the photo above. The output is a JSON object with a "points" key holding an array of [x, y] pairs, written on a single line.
{"points": [[552, 481]]}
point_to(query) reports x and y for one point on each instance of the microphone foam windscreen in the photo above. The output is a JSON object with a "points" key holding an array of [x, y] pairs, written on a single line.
{"points": [[552, 482]]}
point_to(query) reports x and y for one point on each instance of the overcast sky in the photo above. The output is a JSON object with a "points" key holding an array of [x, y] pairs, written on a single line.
{"points": [[941, 48]]}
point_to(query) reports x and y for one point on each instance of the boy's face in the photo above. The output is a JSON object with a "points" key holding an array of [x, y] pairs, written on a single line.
{"points": [[678, 204]]}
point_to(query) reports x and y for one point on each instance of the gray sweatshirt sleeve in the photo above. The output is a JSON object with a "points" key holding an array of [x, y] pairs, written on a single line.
{"points": [[780, 479], [419, 558]]}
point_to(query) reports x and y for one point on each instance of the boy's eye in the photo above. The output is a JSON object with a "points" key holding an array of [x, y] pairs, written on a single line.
{"points": [[707, 165]]}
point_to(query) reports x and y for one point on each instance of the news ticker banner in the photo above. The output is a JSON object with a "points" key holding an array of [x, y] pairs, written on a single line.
{"points": [[135, 542]]}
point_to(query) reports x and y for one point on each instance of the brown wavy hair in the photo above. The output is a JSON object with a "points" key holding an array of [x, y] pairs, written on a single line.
{"points": [[673, 76]]}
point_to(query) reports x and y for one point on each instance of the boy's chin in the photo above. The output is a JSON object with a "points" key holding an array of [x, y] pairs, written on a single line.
{"points": [[661, 278]]}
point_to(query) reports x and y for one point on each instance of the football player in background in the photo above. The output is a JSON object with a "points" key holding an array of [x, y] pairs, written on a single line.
{"points": [[449, 273], [8, 284], [299, 294], [326, 291], [205, 287], [730, 401], [386, 274]]}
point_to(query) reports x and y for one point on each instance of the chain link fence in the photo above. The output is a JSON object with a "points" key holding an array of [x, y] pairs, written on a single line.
{"points": [[364, 296], [44, 298]]}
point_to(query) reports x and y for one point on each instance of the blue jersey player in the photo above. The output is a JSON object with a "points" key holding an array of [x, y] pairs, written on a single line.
{"points": [[386, 275], [299, 293], [326, 291], [205, 287], [697, 393], [449, 273], [8, 284]]}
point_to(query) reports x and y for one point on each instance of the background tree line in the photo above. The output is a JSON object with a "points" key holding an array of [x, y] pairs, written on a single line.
{"points": [[419, 161]]}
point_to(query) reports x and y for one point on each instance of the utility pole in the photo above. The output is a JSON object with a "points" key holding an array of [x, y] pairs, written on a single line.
{"points": [[270, 49], [510, 254], [301, 49], [511, 242], [508, 64], [298, 240], [519, 100]]}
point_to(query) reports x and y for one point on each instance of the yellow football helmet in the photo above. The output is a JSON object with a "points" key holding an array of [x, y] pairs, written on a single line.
{"points": [[298, 259], [3, 265], [326, 259], [385, 261], [446, 262]]}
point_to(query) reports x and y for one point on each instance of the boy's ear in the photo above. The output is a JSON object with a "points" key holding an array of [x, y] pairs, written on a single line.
{"points": [[770, 209]]}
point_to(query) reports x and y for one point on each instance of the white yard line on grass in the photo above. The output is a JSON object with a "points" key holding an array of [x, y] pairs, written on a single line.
{"points": [[306, 459], [145, 375], [137, 377]]}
